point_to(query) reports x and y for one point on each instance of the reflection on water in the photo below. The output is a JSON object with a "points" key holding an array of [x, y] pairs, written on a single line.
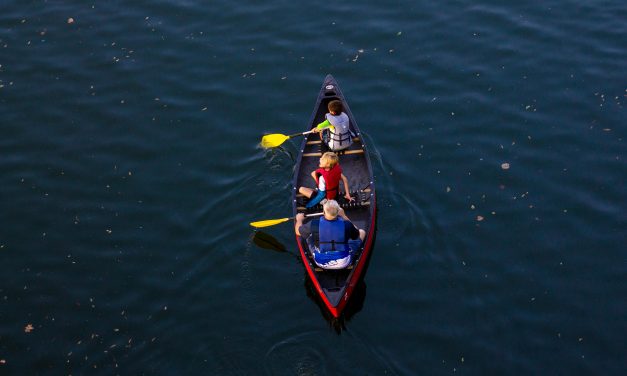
{"points": [[267, 241], [354, 305]]}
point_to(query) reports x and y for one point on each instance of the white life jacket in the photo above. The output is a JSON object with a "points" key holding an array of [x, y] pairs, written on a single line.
{"points": [[340, 138]]}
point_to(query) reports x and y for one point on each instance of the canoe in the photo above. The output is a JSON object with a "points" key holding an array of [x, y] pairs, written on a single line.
{"points": [[335, 287]]}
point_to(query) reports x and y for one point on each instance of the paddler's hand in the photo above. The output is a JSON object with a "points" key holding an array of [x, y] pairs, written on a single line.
{"points": [[298, 222], [348, 197]]}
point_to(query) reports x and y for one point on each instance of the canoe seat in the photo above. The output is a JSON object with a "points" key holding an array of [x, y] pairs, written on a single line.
{"points": [[354, 204], [361, 200], [319, 269], [343, 152], [349, 151], [317, 142]]}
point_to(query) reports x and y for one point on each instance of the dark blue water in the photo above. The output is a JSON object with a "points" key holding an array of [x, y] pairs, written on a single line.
{"points": [[130, 169]]}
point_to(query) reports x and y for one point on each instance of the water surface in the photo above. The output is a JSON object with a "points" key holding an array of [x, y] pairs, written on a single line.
{"points": [[130, 169]]}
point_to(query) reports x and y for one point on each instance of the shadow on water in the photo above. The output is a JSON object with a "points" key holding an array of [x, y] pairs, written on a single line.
{"points": [[354, 305], [267, 241]]}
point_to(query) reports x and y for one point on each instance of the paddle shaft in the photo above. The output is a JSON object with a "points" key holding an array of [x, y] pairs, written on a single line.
{"points": [[272, 222], [301, 134], [312, 215]]}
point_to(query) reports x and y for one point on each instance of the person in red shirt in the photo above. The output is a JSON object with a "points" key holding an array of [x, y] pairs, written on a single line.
{"points": [[327, 179]]}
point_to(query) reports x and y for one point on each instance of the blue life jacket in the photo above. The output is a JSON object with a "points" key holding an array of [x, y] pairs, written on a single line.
{"points": [[332, 236], [332, 245]]}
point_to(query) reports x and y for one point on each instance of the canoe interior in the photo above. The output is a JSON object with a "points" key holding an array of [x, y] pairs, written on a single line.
{"points": [[356, 168]]}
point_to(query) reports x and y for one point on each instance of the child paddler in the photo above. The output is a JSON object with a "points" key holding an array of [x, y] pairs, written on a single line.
{"points": [[336, 122]]}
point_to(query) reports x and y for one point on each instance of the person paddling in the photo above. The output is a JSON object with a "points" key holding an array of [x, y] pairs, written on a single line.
{"points": [[327, 179], [337, 135], [332, 239]]}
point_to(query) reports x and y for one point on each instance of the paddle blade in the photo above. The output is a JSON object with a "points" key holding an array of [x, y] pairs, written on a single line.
{"points": [[273, 140], [269, 222]]}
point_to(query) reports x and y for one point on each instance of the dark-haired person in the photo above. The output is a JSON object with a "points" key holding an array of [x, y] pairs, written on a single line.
{"points": [[332, 239], [335, 127]]}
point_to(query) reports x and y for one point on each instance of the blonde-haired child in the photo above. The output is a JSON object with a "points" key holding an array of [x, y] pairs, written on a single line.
{"points": [[327, 179]]}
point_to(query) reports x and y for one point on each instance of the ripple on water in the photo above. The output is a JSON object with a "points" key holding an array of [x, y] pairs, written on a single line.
{"points": [[296, 356], [314, 352]]}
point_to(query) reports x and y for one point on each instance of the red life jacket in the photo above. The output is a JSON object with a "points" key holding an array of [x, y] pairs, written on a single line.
{"points": [[332, 180]]}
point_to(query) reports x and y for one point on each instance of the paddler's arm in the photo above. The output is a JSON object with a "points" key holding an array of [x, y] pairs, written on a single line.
{"points": [[342, 214], [324, 124], [347, 194], [355, 232]]}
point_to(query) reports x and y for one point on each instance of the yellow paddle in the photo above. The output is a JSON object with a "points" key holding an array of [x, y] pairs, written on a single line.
{"points": [[272, 222], [276, 139]]}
